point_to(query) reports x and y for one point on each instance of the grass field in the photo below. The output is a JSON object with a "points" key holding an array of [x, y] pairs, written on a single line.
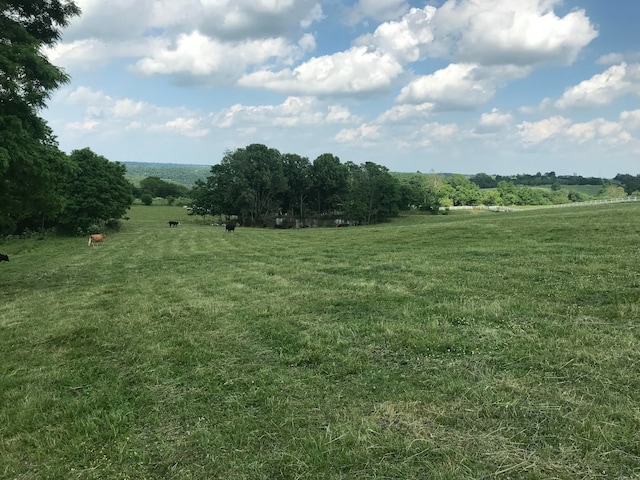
{"points": [[470, 346]]}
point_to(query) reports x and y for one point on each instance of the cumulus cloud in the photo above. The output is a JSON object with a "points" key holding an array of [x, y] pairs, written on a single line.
{"points": [[106, 115], [536, 132], [599, 129], [355, 71], [225, 19], [294, 111], [603, 88], [518, 32], [631, 119], [378, 9], [439, 132], [406, 113], [406, 39], [491, 32], [493, 121], [615, 58], [239, 19], [459, 86], [189, 127], [209, 59], [221, 38], [366, 134]]}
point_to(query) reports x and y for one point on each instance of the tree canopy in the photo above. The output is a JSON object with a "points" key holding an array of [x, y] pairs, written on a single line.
{"points": [[31, 166], [97, 192], [258, 184]]}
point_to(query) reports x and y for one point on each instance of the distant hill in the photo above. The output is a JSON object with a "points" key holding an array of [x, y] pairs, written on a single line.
{"points": [[183, 174]]}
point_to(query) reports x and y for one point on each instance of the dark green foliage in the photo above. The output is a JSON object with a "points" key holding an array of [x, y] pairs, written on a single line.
{"points": [[483, 180], [31, 166], [186, 175], [96, 193], [26, 76], [156, 187], [297, 169], [629, 182], [259, 184], [374, 194], [329, 183], [146, 199]]}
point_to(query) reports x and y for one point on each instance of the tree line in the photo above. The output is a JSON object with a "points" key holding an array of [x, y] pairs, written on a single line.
{"points": [[41, 186], [258, 184], [261, 186]]}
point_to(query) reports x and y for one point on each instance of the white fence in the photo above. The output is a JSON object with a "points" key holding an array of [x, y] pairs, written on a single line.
{"points": [[500, 208]]}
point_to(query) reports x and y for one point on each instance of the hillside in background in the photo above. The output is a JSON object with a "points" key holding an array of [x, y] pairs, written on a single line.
{"points": [[183, 174]]}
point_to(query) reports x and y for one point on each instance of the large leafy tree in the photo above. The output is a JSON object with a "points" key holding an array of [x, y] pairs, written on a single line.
{"points": [[374, 194], [248, 182], [31, 166], [97, 192], [329, 183], [419, 191], [297, 170]]}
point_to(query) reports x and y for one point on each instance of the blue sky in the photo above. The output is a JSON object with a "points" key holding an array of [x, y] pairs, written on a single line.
{"points": [[462, 86]]}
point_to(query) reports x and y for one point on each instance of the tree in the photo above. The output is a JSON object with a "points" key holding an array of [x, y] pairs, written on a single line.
{"points": [[419, 192], [612, 191], [484, 181], [156, 187], [31, 166], [97, 192], [297, 171], [374, 194], [248, 182], [329, 183]]}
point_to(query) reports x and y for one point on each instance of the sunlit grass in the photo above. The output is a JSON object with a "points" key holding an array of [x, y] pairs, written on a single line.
{"points": [[478, 345]]}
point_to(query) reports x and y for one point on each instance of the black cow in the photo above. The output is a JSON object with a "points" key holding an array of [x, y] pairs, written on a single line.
{"points": [[4, 258], [173, 224], [230, 227]]}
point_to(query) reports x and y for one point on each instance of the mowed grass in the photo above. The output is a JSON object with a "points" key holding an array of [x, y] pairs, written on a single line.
{"points": [[473, 345]]}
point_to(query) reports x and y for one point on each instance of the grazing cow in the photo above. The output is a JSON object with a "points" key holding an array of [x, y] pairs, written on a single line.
{"points": [[96, 238], [4, 258], [230, 227], [173, 224]]}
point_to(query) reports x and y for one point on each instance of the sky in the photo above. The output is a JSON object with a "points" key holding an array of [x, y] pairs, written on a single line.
{"points": [[458, 86]]}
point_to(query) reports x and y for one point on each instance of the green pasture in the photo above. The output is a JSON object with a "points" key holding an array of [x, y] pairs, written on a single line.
{"points": [[475, 345]]}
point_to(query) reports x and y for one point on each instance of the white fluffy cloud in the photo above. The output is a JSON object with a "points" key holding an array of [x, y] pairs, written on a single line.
{"points": [[631, 119], [406, 39], [105, 115], [294, 111], [519, 32], [603, 88], [355, 71], [491, 32], [536, 132], [493, 121], [459, 86], [378, 9], [600, 130], [597, 131], [363, 135], [406, 113], [209, 59]]}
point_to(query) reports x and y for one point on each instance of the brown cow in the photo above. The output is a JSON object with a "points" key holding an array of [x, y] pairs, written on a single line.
{"points": [[96, 238]]}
